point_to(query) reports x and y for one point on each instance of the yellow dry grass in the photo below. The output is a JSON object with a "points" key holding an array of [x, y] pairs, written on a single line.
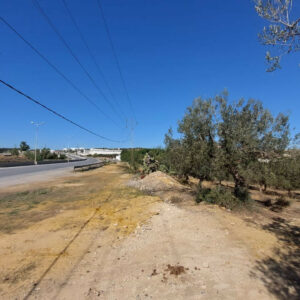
{"points": [[68, 212]]}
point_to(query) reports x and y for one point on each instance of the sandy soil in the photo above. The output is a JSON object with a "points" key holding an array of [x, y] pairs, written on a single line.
{"points": [[118, 243]]}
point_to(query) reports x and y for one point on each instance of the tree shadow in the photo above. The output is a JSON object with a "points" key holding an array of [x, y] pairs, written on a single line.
{"points": [[281, 272]]}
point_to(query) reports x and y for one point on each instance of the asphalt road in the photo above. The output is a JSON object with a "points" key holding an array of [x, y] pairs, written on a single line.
{"points": [[10, 173]]}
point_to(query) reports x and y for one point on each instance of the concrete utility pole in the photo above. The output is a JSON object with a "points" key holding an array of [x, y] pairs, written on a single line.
{"points": [[132, 126], [68, 146], [37, 125]]}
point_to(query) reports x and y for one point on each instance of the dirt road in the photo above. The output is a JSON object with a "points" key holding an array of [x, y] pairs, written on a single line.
{"points": [[113, 242]]}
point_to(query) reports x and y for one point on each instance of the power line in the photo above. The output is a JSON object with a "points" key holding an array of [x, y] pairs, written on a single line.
{"points": [[116, 57], [56, 113], [57, 70], [42, 12], [91, 53]]}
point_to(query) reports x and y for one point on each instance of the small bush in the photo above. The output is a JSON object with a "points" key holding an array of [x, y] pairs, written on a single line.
{"points": [[218, 195], [150, 164], [163, 168], [242, 193], [201, 194], [15, 152]]}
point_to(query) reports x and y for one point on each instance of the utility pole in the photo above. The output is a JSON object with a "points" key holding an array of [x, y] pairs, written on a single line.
{"points": [[37, 125], [132, 127], [68, 149]]}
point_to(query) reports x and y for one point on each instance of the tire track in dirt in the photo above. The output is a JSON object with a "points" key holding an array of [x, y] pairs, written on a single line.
{"points": [[63, 251]]}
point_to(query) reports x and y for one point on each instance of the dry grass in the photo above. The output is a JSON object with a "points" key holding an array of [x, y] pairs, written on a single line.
{"points": [[13, 158], [37, 223]]}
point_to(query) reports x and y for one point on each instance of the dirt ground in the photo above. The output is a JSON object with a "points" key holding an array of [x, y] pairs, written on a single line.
{"points": [[91, 236], [13, 158]]}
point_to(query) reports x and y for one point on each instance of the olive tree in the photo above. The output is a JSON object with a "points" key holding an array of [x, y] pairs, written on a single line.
{"points": [[287, 171], [176, 156], [195, 152], [248, 132], [219, 139], [284, 31], [24, 146]]}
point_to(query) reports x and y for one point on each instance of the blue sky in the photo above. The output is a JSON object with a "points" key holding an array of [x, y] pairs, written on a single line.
{"points": [[170, 51]]}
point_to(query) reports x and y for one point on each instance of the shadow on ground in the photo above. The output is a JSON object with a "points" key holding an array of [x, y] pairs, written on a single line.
{"points": [[281, 273]]}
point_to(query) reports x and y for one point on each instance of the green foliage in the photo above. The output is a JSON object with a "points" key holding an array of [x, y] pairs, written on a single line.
{"points": [[221, 140], [62, 156], [247, 132], [202, 194], [287, 172], [43, 154], [24, 146], [150, 164], [218, 195], [282, 33], [46, 154], [29, 155], [14, 151], [241, 193], [163, 168], [135, 157], [194, 154]]}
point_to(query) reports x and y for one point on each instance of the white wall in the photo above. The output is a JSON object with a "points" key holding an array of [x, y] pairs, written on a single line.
{"points": [[103, 151]]}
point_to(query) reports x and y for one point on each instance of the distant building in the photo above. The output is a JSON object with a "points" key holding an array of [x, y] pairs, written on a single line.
{"points": [[101, 151], [5, 154]]}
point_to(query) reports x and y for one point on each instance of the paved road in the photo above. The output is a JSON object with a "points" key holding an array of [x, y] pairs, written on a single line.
{"points": [[18, 175]]}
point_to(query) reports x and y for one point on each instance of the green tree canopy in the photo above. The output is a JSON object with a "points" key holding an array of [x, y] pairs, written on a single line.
{"points": [[24, 146], [218, 138], [284, 31]]}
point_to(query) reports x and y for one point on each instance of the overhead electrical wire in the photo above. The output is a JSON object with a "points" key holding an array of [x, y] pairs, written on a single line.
{"points": [[58, 114], [91, 55], [57, 70], [116, 57], [45, 16]]}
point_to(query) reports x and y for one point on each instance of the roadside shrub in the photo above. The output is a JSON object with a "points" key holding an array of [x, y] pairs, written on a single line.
{"points": [[150, 165], [201, 194], [163, 168], [135, 157], [218, 195], [242, 193], [29, 155], [15, 152]]}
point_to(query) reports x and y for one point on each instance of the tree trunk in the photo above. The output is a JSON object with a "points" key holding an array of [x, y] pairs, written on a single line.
{"points": [[265, 187], [240, 188]]}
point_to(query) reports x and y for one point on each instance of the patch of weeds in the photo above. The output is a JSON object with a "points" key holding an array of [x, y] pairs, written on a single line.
{"points": [[35, 202], [22, 201], [220, 196], [25, 193], [202, 194], [242, 193], [130, 192], [13, 212], [42, 192]]}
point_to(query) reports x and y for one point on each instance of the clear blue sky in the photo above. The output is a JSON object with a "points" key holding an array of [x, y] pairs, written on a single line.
{"points": [[170, 51]]}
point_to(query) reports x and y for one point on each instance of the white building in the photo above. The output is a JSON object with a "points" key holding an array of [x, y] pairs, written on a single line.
{"points": [[93, 151]]}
